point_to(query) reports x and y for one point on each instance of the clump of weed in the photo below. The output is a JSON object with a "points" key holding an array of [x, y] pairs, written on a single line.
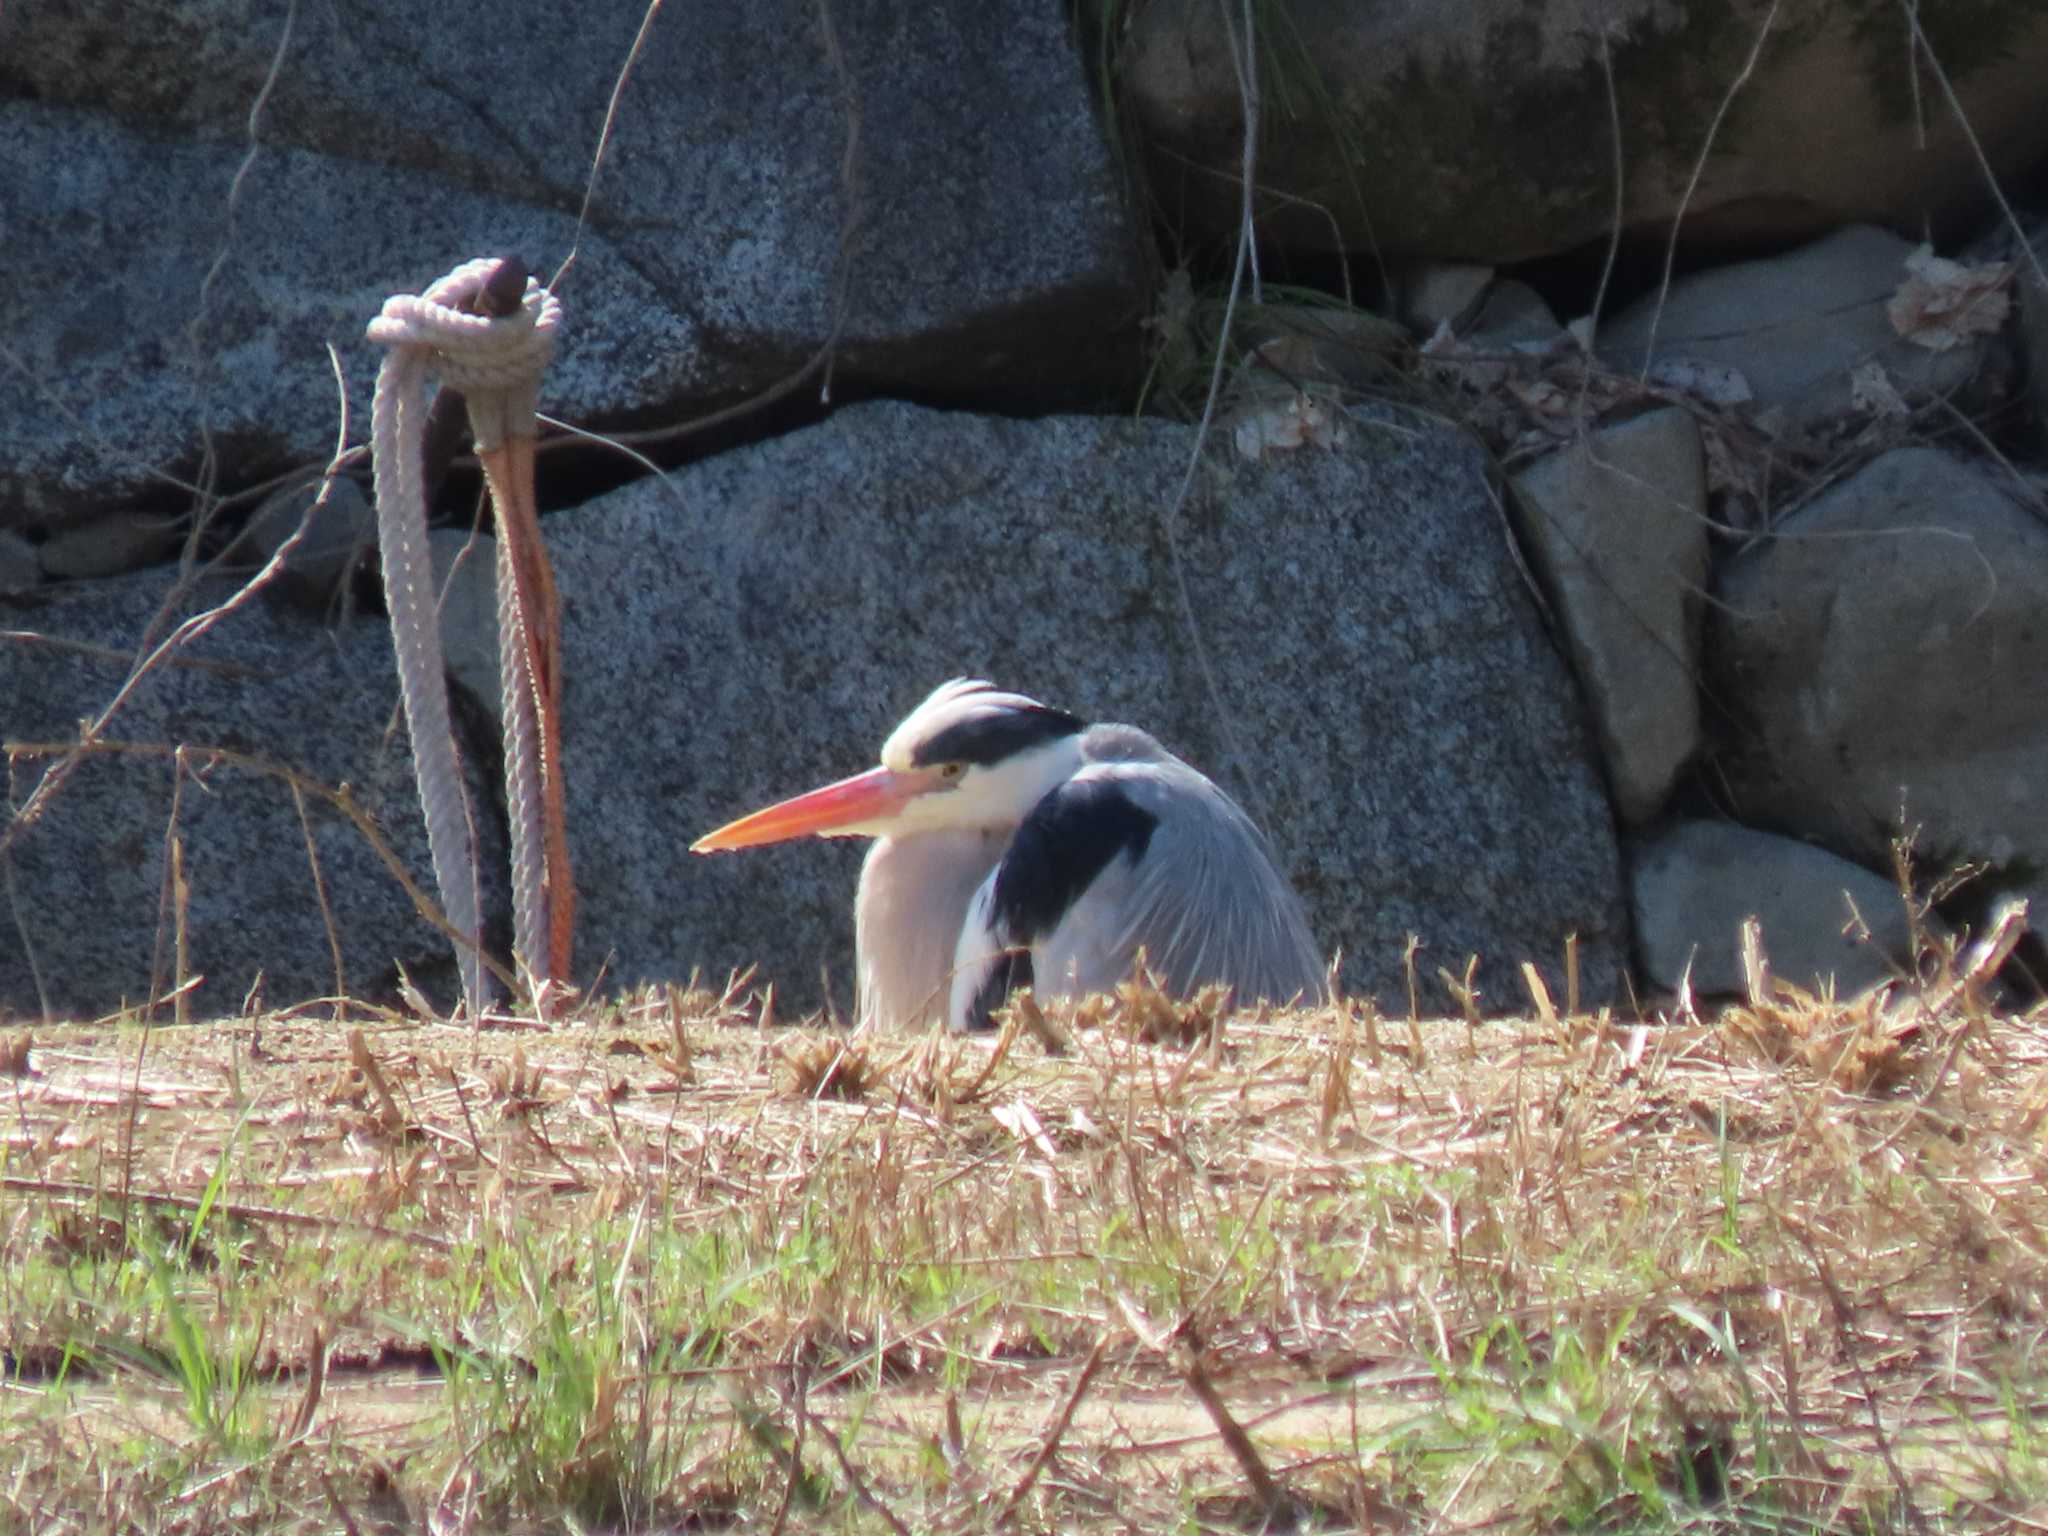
{"points": [[816, 1066]]}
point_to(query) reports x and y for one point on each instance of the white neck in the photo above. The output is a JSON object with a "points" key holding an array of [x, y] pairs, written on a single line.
{"points": [[907, 917]]}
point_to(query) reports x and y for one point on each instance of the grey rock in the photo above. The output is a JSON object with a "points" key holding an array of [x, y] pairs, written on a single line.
{"points": [[1886, 651], [333, 536], [112, 544], [1694, 886], [1437, 293], [1514, 315], [85, 925], [1481, 131], [467, 570], [1617, 523], [753, 625], [163, 296], [19, 568], [1792, 326], [1389, 705]]}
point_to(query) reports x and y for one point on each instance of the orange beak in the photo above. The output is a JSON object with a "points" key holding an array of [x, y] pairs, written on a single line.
{"points": [[836, 809]]}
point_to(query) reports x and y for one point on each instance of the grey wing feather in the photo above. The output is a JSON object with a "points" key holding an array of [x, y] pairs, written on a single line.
{"points": [[1204, 903]]}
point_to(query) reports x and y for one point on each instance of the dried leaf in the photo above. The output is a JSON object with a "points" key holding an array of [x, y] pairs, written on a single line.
{"points": [[1542, 396], [1298, 420], [1443, 342], [415, 999], [1943, 303], [1871, 389], [1022, 1122], [1292, 357]]}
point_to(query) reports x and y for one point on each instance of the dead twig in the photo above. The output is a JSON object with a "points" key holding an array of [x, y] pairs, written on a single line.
{"points": [[359, 1055], [1058, 1428], [1273, 1502]]}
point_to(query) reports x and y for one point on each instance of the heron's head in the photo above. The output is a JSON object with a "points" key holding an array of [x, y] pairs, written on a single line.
{"points": [[970, 757]]}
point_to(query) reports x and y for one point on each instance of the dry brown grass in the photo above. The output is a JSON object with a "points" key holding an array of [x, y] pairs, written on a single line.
{"points": [[1778, 1269]]}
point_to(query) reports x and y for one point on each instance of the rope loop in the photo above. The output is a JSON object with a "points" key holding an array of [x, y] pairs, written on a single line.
{"points": [[480, 354]]}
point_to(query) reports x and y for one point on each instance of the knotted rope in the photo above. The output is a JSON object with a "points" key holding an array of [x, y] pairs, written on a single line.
{"points": [[484, 336], [488, 329]]}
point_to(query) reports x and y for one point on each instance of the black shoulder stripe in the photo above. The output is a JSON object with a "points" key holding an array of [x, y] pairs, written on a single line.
{"points": [[1069, 838], [1011, 971], [987, 739]]}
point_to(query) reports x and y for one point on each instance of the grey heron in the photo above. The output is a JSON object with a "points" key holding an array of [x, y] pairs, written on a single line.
{"points": [[1016, 845]]}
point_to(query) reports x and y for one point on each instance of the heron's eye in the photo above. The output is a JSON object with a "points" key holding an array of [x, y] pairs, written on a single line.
{"points": [[950, 772]]}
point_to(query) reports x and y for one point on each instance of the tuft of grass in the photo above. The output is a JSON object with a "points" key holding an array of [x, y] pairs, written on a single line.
{"points": [[822, 1066]]}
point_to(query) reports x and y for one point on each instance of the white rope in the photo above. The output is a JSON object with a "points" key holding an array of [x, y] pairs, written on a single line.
{"points": [[531, 937], [497, 364], [395, 422]]}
